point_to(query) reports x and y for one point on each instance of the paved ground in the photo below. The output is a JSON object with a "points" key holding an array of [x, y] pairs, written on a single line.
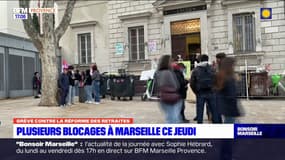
{"points": [[257, 111]]}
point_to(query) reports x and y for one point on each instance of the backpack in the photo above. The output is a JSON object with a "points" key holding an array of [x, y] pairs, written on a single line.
{"points": [[205, 78]]}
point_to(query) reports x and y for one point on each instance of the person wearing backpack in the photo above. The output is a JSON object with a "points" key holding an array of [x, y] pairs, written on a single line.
{"points": [[168, 86], [201, 82]]}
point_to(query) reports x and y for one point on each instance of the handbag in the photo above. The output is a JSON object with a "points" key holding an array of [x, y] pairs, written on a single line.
{"points": [[169, 95]]}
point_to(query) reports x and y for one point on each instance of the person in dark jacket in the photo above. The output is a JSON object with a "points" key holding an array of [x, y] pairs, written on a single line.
{"points": [[71, 90], [88, 86], [226, 91], [201, 82], [64, 86], [216, 65], [77, 76], [178, 70], [37, 85]]}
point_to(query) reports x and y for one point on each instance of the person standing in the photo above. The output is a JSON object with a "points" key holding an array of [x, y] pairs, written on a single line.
{"points": [[77, 81], [216, 66], [64, 87], [198, 59], [88, 86], [178, 70], [71, 91], [96, 83], [201, 82], [226, 91], [37, 85], [168, 85]]}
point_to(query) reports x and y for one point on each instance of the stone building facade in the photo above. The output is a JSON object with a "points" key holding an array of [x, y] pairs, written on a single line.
{"points": [[140, 31], [85, 42], [19, 58]]}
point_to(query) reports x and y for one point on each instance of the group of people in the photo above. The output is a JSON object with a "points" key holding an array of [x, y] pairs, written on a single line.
{"points": [[213, 84], [69, 81]]}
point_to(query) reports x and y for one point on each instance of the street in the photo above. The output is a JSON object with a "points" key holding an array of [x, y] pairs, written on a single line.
{"points": [[256, 111]]}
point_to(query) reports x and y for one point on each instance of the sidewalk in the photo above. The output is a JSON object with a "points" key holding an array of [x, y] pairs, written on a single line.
{"points": [[257, 111]]}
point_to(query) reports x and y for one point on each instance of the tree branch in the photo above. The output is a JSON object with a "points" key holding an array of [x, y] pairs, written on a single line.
{"points": [[47, 19], [60, 30], [29, 26]]}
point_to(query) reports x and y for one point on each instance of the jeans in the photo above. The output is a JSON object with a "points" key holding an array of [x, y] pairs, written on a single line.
{"points": [[172, 111], [96, 85], [88, 92], [210, 99], [229, 120], [71, 94], [36, 92], [63, 94]]}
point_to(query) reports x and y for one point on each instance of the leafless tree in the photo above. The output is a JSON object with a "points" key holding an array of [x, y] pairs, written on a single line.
{"points": [[47, 45]]}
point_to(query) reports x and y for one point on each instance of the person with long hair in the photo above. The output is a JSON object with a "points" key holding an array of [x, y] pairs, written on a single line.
{"points": [[219, 58], [226, 91], [168, 85], [96, 83]]}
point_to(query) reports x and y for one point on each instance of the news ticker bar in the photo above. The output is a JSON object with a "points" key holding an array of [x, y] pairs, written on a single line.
{"points": [[73, 120], [102, 128], [166, 149]]}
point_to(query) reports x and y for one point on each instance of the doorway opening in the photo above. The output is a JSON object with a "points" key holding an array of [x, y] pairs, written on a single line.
{"points": [[186, 40]]}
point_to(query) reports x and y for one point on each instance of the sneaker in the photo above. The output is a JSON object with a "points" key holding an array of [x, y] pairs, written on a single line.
{"points": [[68, 104], [89, 102], [61, 106], [97, 103], [86, 102]]}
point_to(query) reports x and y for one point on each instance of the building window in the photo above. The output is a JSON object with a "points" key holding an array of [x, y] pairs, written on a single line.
{"points": [[84, 47], [244, 32], [136, 43]]}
